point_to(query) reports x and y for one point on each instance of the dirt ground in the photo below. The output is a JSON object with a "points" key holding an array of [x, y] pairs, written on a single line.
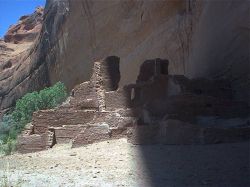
{"points": [[118, 163]]}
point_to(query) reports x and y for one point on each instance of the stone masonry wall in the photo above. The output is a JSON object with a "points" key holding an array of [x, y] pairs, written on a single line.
{"points": [[158, 108]]}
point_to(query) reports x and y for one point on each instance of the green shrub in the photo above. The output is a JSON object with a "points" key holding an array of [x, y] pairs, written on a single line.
{"points": [[8, 128], [8, 147], [45, 99], [12, 124]]}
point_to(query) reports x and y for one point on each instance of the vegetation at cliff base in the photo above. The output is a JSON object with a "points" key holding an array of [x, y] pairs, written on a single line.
{"points": [[12, 124]]}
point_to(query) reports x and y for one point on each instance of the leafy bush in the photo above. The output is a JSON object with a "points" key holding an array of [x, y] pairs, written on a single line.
{"points": [[8, 128], [8, 147], [45, 99], [12, 124]]}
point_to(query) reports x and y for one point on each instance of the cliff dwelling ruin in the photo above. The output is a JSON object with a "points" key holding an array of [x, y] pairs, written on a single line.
{"points": [[171, 108], [158, 109]]}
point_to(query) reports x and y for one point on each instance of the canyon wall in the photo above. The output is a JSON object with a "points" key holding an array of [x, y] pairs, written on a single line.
{"points": [[199, 38], [132, 30], [21, 67], [221, 45]]}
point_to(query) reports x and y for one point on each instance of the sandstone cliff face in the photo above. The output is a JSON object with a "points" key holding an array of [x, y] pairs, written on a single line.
{"points": [[221, 44], [20, 72], [132, 30], [26, 29], [199, 38]]}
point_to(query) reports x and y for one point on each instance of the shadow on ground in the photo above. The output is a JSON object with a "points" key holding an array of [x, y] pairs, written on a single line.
{"points": [[218, 165]]}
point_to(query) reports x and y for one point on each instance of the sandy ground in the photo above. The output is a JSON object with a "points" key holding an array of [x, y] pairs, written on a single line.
{"points": [[118, 163]]}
